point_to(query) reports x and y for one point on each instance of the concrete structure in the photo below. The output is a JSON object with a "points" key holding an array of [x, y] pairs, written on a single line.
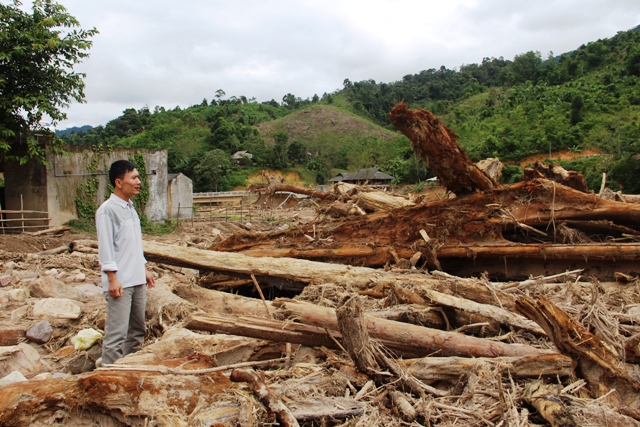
{"points": [[371, 176], [180, 196], [52, 189]]}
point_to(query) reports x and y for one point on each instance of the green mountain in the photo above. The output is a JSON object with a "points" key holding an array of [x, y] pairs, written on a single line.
{"points": [[587, 100]]}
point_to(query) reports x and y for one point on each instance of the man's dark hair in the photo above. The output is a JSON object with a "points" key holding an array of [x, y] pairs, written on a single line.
{"points": [[118, 169]]}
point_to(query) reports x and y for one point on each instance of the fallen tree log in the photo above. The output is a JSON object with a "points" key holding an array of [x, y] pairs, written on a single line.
{"points": [[367, 355], [298, 273], [474, 225], [139, 394], [433, 369], [406, 336]]}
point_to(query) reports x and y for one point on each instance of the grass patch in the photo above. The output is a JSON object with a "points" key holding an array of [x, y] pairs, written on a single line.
{"points": [[160, 229], [81, 225]]}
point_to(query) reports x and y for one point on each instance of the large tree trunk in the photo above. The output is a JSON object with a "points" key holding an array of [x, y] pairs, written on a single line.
{"points": [[133, 394], [466, 227], [407, 337], [435, 143], [298, 273]]}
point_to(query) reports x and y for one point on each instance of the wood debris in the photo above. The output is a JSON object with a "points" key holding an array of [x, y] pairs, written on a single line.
{"points": [[314, 332]]}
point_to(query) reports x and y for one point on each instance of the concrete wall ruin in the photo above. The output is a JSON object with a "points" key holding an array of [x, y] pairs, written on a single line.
{"points": [[54, 188], [180, 195]]}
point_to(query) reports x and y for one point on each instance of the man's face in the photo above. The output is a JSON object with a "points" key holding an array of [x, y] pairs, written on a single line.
{"points": [[129, 185]]}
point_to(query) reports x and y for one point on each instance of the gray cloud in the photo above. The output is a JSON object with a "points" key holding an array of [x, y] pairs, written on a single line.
{"points": [[171, 53]]}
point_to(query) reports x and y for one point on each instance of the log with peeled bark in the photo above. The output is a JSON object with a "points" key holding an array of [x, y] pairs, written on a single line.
{"points": [[433, 369], [379, 201], [595, 362], [437, 145], [406, 337], [132, 394], [468, 227], [276, 185], [298, 273]]}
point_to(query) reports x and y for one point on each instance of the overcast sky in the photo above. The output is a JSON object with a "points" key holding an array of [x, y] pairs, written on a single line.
{"points": [[170, 53]]}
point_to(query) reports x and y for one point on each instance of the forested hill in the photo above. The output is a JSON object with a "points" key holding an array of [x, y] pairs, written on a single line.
{"points": [[585, 99]]}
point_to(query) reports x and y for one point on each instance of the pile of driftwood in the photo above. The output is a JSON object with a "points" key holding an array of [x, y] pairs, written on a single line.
{"points": [[408, 344], [549, 222], [359, 346]]}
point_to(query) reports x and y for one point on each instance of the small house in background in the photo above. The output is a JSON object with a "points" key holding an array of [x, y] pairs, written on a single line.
{"points": [[371, 176], [242, 157], [180, 196]]}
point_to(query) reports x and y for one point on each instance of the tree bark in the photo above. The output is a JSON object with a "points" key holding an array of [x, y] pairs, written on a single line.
{"points": [[411, 338], [437, 145], [129, 393]]}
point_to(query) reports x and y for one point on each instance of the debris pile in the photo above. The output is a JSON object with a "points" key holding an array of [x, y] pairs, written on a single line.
{"points": [[299, 326]]}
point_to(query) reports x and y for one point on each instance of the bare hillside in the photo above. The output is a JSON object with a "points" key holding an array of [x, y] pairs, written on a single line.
{"points": [[311, 124]]}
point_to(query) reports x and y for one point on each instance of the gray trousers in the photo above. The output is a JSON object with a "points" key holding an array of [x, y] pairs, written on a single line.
{"points": [[125, 327]]}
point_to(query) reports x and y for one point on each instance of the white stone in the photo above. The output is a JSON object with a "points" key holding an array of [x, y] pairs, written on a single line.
{"points": [[17, 295], [80, 277], [61, 308], [61, 275], [42, 376], [9, 265], [51, 272], [13, 377], [19, 313], [634, 311]]}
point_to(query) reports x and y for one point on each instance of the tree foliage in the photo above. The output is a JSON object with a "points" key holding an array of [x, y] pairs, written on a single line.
{"points": [[38, 51]]}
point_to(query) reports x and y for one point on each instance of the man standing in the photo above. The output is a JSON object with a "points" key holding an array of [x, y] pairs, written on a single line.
{"points": [[124, 274]]}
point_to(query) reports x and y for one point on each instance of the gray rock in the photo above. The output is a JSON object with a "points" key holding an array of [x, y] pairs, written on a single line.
{"points": [[40, 333], [29, 277], [13, 377], [50, 287], [95, 353], [60, 375], [81, 364]]}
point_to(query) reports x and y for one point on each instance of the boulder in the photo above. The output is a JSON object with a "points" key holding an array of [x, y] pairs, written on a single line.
{"points": [[22, 358], [60, 308], [40, 332], [50, 287]]}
